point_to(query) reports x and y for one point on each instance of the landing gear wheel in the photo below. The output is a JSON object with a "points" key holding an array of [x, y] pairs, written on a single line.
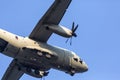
{"points": [[72, 74], [46, 73]]}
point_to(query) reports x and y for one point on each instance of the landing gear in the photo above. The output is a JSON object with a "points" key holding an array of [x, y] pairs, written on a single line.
{"points": [[46, 73], [37, 72], [41, 73], [72, 72]]}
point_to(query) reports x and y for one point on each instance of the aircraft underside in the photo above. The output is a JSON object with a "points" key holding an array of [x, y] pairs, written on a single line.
{"points": [[32, 61]]}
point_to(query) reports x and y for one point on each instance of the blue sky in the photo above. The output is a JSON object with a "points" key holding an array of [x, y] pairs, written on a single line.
{"points": [[98, 41]]}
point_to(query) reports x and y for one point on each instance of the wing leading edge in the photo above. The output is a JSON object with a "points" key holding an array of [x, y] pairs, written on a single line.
{"points": [[52, 16], [12, 73]]}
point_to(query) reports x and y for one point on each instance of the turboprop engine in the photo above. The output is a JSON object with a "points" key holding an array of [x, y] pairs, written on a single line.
{"points": [[63, 31]]}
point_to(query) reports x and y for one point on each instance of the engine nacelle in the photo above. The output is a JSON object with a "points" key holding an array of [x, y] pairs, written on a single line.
{"points": [[60, 30]]}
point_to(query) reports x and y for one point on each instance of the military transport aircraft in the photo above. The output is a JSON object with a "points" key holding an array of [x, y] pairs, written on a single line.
{"points": [[33, 55]]}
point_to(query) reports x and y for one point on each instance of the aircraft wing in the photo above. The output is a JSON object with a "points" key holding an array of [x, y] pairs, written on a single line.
{"points": [[52, 16], [12, 72]]}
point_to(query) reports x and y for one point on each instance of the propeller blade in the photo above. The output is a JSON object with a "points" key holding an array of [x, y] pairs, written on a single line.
{"points": [[73, 25], [71, 41], [75, 28], [67, 40]]}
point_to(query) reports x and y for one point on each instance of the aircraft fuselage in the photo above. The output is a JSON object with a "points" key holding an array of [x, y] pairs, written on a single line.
{"points": [[39, 56]]}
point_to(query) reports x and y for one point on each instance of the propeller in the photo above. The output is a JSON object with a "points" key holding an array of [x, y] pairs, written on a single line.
{"points": [[73, 29]]}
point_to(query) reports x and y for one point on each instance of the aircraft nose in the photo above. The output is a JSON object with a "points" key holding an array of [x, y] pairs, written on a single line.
{"points": [[85, 67]]}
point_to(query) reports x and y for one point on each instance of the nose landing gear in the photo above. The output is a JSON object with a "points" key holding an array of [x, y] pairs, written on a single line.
{"points": [[72, 72]]}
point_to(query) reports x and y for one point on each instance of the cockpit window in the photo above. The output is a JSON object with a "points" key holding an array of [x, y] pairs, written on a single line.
{"points": [[81, 61], [76, 59]]}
